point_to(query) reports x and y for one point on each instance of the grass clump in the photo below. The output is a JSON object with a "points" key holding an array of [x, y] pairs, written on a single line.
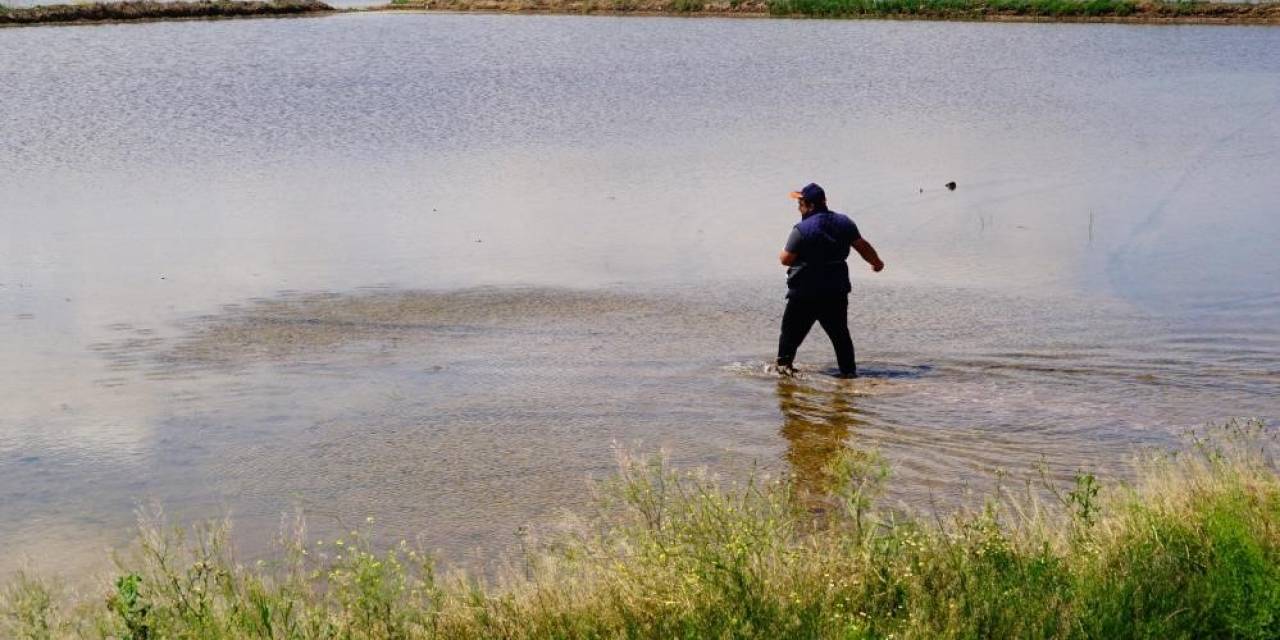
{"points": [[29, 611], [1190, 549]]}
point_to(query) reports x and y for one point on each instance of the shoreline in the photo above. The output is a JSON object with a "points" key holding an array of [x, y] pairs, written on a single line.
{"points": [[1014, 11], [1007, 11], [765, 15], [155, 11]]}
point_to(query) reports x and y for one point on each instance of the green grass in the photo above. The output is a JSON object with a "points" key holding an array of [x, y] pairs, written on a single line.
{"points": [[954, 8], [1189, 549], [685, 6]]}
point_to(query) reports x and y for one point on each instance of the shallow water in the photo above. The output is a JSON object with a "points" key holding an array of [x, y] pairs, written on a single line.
{"points": [[428, 268]]}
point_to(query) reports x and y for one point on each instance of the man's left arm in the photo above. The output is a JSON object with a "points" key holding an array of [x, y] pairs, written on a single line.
{"points": [[868, 253]]}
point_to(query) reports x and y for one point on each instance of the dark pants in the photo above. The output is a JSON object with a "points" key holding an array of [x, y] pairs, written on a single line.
{"points": [[829, 311]]}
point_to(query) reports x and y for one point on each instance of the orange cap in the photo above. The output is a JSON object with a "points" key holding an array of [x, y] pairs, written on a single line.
{"points": [[810, 192]]}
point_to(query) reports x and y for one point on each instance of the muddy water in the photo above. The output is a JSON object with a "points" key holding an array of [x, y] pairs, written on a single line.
{"points": [[428, 268]]}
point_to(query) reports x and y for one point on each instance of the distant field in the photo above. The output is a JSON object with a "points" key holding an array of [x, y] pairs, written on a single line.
{"points": [[1115, 10], [150, 10], [993, 10]]}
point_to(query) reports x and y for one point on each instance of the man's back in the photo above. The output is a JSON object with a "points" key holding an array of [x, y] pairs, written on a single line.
{"points": [[821, 241]]}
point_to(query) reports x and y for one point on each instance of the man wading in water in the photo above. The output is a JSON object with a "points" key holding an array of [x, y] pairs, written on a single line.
{"points": [[818, 279]]}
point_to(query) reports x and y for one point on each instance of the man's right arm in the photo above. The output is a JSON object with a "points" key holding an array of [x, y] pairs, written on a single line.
{"points": [[791, 253], [868, 253]]}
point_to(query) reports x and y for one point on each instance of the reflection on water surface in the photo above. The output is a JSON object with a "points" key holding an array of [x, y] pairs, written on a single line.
{"points": [[817, 427]]}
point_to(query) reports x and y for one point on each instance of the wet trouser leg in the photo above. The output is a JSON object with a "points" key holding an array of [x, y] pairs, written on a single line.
{"points": [[797, 319], [832, 313]]}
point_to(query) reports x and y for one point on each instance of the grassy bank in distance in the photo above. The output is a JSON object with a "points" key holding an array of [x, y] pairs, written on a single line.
{"points": [[1148, 11], [1138, 11], [1190, 549], [152, 10]]}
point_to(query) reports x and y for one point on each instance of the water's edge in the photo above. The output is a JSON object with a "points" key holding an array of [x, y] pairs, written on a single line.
{"points": [[1203, 13]]}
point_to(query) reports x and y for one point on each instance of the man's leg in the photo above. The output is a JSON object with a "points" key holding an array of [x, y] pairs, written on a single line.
{"points": [[797, 319], [833, 315]]}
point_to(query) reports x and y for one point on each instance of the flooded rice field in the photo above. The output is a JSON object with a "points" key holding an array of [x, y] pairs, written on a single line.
{"points": [[429, 268]]}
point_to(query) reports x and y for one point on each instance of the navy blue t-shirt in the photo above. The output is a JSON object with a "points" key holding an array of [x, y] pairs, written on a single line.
{"points": [[821, 241]]}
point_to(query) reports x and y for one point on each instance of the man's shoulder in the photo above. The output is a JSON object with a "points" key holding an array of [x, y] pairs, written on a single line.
{"points": [[846, 222]]}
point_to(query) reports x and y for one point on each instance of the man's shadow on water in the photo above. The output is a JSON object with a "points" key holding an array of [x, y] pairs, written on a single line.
{"points": [[817, 424], [885, 371]]}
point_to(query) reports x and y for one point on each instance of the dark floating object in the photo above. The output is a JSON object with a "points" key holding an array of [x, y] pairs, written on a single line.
{"points": [[951, 186]]}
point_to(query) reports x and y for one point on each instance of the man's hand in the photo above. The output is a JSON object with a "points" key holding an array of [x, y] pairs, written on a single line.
{"points": [[787, 258]]}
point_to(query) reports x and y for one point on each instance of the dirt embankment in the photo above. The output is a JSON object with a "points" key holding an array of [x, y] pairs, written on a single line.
{"points": [[1127, 11], [150, 10]]}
